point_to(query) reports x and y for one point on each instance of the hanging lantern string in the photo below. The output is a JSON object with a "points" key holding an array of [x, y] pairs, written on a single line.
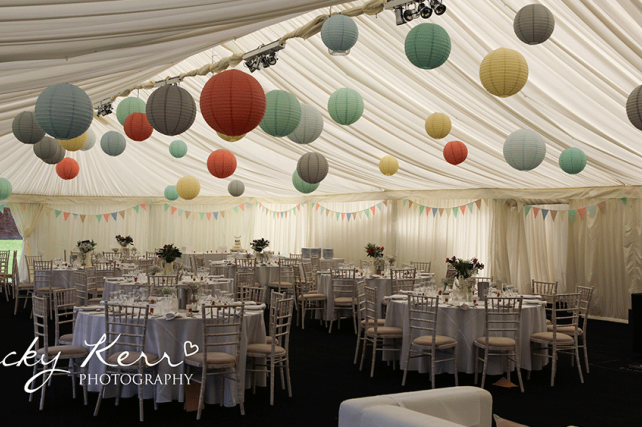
{"points": [[370, 7]]}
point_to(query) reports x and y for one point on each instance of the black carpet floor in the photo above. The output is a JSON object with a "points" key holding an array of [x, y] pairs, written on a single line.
{"points": [[323, 375]]}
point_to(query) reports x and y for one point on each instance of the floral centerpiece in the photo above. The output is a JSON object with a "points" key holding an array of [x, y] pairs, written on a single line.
{"points": [[169, 253], [258, 245], [154, 270], [376, 252], [85, 247], [124, 241], [464, 270], [391, 260]]}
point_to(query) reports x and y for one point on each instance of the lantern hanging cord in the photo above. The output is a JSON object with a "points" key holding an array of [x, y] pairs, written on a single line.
{"points": [[370, 7]]}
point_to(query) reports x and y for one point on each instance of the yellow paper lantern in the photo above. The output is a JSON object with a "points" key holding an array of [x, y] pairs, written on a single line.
{"points": [[188, 187], [74, 144], [438, 125], [230, 138], [503, 72], [388, 165]]}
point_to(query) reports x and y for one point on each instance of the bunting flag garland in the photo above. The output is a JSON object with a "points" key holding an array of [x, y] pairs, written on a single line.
{"points": [[572, 213]]}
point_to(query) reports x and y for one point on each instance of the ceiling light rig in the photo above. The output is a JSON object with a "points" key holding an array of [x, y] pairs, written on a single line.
{"points": [[104, 108], [263, 56], [406, 11]]}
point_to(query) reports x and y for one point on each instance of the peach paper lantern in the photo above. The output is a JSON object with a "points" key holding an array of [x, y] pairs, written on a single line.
{"points": [[67, 168], [221, 163], [455, 152], [137, 127]]}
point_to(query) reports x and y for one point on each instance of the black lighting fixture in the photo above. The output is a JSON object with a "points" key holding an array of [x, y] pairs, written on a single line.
{"points": [[262, 57], [406, 11], [104, 109]]}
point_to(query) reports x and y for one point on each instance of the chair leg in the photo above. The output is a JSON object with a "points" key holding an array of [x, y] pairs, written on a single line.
{"points": [[456, 370], [585, 348], [287, 375], [363, 351], [303, 315], [42, 392], [201, 394], [485, 365], [554, 366], [100, 399], [241, 391], [579, 367], [518, 368], [140, 399], [272, 381], [356, 352], [84, 386], [374, 353], [405, 371], [476, 365]]}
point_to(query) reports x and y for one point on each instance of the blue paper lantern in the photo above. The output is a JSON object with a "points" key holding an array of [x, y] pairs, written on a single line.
{"points": [[91, 140], [524, 149], [303, 186], [5, 188], [236, 188], [128, 106], [572, 160], [345, 106], [113, 143], [310, 127], [282, 114], [64, 111], [26, 129], [170, 193], [339, 33], [178, 148]]}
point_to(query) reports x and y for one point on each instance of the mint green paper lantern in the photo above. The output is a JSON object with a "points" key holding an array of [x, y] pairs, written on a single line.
{"points": [[5, 188], [524, 149], [572, 160], [170, 193], [427, 46], [303, 186], [282, 114], [345, 106], [178, 148], [64, 111], [339, 33], [113, 143], [128, 106]]}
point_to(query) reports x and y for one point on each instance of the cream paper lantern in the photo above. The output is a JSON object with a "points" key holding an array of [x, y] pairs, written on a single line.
{"points": [[388, 165], [503, 72], [74, 144], [188, 187], [91, 140], [438, 125]]}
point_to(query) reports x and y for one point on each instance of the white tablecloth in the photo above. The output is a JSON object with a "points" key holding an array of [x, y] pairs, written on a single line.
{"points": [[465, 326], [264, 274], [169, 337], [207, 257], [226, 285], [382, 285], [335, 261]]}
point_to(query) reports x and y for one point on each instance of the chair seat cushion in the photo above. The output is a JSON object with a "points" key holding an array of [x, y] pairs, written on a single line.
{"points": [[283, 284], [548, 322], [25, 286], [343, 301], [131, 359], [66, 338], [426, 341], [66, 351], [496, 342], [386, 330], [263, 349], [213, 358], [314, 296], [569, 330], [380, 322], [548, 336], [47, 289]]}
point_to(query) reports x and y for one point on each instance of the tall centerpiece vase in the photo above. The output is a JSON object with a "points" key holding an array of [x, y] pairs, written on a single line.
{"points": [[88, 258], [169, 268], [379, 265], [259, 256]]}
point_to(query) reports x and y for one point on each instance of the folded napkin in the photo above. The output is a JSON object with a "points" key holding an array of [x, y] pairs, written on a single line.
{"points": [[464, 305], [396, 297], [533, 301], [91, 308], [255, 307], [171, 316], [249, 303]]}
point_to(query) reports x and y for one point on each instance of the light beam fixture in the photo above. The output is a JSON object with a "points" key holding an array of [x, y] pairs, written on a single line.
{"points": [[263, 56], [406, 11]]}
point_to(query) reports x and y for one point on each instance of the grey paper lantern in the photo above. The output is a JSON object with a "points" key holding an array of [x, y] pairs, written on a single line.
{"points": [[634, 107], [524, 149], [534, 24], [312, 167], [64, 111], [339, 33], [236, 188], [91, 140], [113, 143], [26, 129], [310, 127], [49, 150], [170, 110], [58, 157], [282, 113]]}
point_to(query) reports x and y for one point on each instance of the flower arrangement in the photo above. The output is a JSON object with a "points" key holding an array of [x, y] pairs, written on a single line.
{"points": [[194, 288], [124, 241], [167, 291], [374, 251], [154, 270], [465, 268], [259, 244], [391, 260], [86, 246], [169, 253]]}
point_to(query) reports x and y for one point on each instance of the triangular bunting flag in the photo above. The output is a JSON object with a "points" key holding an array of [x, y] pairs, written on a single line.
{"points": [[367, 212], [174, 210], [202, 215], [463, 209], [602, 206], [294, 211], [114, 215], [57, 212], [222, 214], [409, 204], [486, 201], [99, 217], [421, 209], [623, 200], [373, 209], [385, 202], [553, 214], [448, 212], [544, 213], [236, 209], [298, 207], [144, 206], [129, 211], [455, 210], [536, 211], [349, 216], [285, 213], [317, 207], [75, 215], [441, 211], [571, 214], [527, 209], [591, 210], [322, 209], [242, 207], [582, 212], [66, 215], [337, 215], [215, 215], [122, 214], [379, 205], [106, 217], [180, 212], [208, 215], [137, 208], [82, 218], [478, 203], [434, 212], [343, 216], [504, 201], [166, 206], [470, 207]]}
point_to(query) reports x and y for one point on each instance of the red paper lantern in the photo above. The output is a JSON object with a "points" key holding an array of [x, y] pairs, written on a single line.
{"points": [[67, 168], [221, 163], [455, 152], [233, 102], [137, 127]]}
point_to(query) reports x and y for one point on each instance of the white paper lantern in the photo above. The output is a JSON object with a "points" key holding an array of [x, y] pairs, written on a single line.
{"points": [[310, 127], [91, 140], [524, 149], [312, 167]]}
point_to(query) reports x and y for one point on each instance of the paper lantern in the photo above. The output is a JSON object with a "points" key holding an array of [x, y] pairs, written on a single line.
{"points": [[26, 129], [74, 144], [339, 33], [388, 165], [170, 193], [188, 187], [233, 102], [312, 167], [310, 127], [455, 152], [91, 140], [503, 72], [128, 106], [137, 127], [438, 125], [282, 114], [345, 106], [170, 110], [572, 160], [178, 148], [236, 188], [230, 138], [5, 188], [221, 163], [634, 107], [49, 150], [427, 46], [524, 149], [64, 111], [113, 143], [67, 168], [303, 186], [534, 24]]}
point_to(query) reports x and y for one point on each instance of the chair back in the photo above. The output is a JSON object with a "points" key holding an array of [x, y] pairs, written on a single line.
{"points": [[40, 306], [15, 274], [503, 317], [252, 293], [371, 308], [144, 264], [286, 270], [222, 330], [361, 301], [246, 262], [29, 260], [402, 280], [343, 282], [421, 265], [5, 254], [565, 309], [82, 291], [162, 281], [43, 273], [109, 256], [545, 289], [217, 270], [126, 326], [280, 320], [4, 265], [64, 301], [309, 280], [422, 316], [326, 264], [314, 261], [586, 295], [298, 257]]}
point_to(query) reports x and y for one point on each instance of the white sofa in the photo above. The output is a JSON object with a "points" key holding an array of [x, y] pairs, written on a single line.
{"points": [[448, 407]]}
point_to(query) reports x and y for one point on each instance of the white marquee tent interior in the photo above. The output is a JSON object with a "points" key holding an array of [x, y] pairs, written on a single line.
{"points": [[543, 224]]}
